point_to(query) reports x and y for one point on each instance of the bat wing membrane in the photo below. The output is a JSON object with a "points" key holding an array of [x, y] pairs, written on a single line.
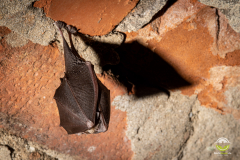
{"points": [[71, 116], [84, 89]]}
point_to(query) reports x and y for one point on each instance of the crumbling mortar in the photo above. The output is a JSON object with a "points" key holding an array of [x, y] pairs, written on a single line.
{"points": [[157, 112], [190, 130], [23, 148]]}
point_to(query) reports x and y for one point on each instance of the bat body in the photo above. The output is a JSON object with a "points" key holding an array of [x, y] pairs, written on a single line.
{"points": [[82, 100]]}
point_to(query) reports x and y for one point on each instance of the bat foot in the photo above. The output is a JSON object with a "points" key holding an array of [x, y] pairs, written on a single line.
{"points": [[71, 29], [60, 24]]}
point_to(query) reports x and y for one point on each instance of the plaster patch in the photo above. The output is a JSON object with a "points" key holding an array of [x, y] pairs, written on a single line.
{"points": [[27, 21], [233, 97], [5, 153], [16, 40], [217, 74], [156, 123], [208, 126]]}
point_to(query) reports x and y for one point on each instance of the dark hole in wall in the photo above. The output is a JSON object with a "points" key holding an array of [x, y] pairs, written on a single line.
{"points": [[139, 69]]}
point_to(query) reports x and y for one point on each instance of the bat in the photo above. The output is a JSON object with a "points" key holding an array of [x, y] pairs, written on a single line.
{"points": [[83, 101]]}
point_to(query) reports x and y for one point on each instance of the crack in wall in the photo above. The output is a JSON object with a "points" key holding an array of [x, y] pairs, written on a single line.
{"points": [[189, 131], [218, 28]]}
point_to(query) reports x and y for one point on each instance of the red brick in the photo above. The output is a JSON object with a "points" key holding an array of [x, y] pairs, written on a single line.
{"points": [[91, 17]]}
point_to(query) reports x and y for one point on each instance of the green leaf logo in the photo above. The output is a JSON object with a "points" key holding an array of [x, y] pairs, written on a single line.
{"points": [[222, 148]]}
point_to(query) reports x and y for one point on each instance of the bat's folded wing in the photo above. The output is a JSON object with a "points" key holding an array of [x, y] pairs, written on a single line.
{"points": [[72, 119], [103, 107], [77, 99]]}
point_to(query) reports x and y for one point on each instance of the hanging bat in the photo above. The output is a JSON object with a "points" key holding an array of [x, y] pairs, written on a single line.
{"points": [[83, 101]]}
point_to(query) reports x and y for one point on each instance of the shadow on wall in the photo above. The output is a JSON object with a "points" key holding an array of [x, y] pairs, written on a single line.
{"points": [[139, 69]]}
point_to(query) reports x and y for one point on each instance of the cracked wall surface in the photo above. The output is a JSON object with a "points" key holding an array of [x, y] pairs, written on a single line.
{"points": [[173, 74], [229, 8]]}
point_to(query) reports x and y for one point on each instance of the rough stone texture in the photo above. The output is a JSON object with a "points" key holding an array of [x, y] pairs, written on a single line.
{"points": [[16, 40], [140, 15], [225, 38], [208, 126], [156, 123], [231, 89], [230, 8], [177, 13], [104, 14], [29, 78], [203, 49], [27, 21], [189, 49], [5, 153], [15, 148]]}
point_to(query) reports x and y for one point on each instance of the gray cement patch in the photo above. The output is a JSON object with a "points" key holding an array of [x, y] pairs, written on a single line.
{"points": [[176, 128], [27, 21], [15, 40], [232, 74], [158, 127], [141, 15], [233, 97], [5, 153], [208, 127]]}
